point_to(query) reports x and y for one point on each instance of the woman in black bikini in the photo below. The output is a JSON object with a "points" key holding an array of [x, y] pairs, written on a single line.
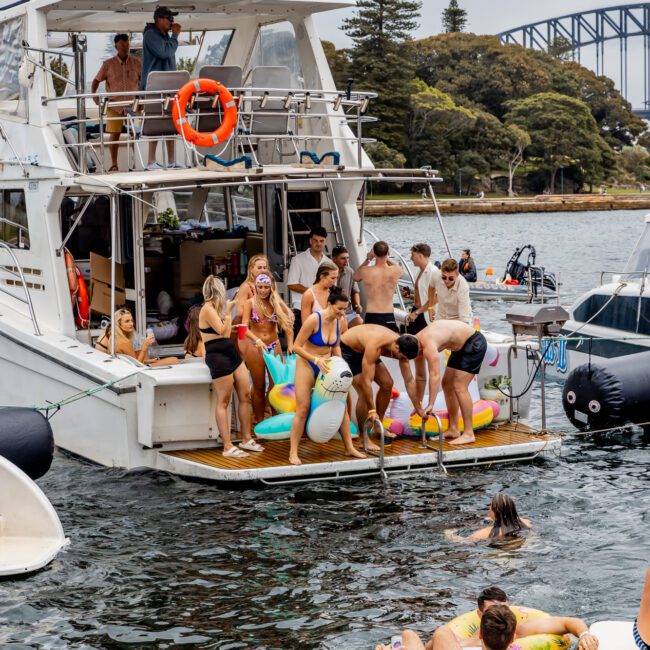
{"points": [[193, 345], [263, 314], [319, 339], [226, 367]]}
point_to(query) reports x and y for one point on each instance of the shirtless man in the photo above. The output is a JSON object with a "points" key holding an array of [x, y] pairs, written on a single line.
{"points": [[380, 282], [362, 347], [445, 639], [468, 348]]}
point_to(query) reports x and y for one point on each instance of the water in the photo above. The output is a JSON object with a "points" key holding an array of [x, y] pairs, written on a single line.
{"points": [[159, 562]]}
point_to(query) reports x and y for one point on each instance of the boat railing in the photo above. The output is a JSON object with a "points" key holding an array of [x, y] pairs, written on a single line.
{"points": [[629, 275], [300, 111], [17, 272]]}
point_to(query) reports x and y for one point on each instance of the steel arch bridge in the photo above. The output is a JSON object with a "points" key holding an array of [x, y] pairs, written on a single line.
{"points": [[594, 28]]}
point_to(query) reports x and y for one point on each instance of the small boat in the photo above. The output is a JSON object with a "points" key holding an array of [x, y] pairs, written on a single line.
{"points": [[609, 321], [31, 534], [522, 281]]}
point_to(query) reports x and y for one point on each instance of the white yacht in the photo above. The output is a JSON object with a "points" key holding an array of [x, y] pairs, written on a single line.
{"points": [[611, 320], [299, 145]]}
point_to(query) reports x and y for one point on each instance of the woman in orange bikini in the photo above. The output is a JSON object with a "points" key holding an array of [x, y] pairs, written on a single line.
{"points": [[264, 314]]}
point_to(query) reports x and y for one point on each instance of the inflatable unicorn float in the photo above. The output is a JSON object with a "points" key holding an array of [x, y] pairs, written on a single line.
{"points": [[329, 396], [328, 400]]}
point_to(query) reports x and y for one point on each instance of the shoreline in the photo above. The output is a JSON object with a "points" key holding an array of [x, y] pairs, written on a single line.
{"points": [[541, 203]]}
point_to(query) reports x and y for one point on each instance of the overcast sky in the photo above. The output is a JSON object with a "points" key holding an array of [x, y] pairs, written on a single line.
{"points": [[500, 15]]}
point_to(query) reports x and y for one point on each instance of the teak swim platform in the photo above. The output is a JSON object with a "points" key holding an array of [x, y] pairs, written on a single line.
{"points": [[496, 444]]}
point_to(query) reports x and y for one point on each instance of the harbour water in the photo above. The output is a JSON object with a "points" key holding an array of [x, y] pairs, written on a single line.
{"points": [[159, 562]]}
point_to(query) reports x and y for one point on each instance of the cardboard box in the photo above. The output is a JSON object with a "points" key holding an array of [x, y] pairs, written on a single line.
{"points": [[100, 285]]}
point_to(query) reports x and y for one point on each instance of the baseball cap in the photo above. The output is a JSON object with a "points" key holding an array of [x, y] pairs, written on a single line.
{"points": [[164, 12]]}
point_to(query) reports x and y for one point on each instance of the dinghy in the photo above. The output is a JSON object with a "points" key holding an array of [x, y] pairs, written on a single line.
{"points": [[31, 534]]}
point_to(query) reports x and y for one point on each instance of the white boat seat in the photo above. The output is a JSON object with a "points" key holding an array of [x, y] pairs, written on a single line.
{"points": [[168, 82], [228, 75], [263, 122]]}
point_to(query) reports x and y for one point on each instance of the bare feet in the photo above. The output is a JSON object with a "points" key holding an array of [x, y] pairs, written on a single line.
{"points": [[294, 460], [371, 446], [451, 434], [355, 453], [465, 439]]}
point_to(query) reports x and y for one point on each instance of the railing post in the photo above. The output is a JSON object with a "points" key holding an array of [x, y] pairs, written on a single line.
{"points": [[79, 50], [367, 425], [440, 448]]}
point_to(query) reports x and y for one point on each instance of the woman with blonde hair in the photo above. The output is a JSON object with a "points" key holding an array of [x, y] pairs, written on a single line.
{"points": [[124, 334], [315, 298], [257, 265], [264, 314], [226, 367]]}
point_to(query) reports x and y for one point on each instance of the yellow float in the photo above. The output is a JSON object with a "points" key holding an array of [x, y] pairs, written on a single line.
{"points": [[467, 625]]}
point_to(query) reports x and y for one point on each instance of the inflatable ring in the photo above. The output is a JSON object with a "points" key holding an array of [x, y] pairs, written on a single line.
{"points": [[228, 105], [81, 301], [467, 625], [484, 411]]}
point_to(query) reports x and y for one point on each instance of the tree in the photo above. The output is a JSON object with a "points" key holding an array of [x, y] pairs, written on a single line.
{"points": [[339, 63], [519, 142], [634, 161], [454, 19], [563, 132], [382, 60], [185, 63], [59, 66], [561, 48]]}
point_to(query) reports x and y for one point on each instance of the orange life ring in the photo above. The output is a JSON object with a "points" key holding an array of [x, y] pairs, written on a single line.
{"points": [[228, 105], [70, 271], [81, 301]]}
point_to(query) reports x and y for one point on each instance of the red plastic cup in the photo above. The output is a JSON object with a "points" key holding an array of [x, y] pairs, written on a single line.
{"points": [[241, 332]]}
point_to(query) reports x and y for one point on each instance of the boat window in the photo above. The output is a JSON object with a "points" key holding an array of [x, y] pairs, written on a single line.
{"points": [[639, 262], [214, 48], [13, 220], [620, 313], [12, 95], [93, 232], [276, 45]]}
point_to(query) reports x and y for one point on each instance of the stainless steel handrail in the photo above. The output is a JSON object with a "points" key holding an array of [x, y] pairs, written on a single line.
{"points": [[19, 273], [380, 455], [439, 449]]}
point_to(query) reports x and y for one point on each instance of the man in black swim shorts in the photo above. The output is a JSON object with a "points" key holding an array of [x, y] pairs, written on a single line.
{"points": [[468, 348]]}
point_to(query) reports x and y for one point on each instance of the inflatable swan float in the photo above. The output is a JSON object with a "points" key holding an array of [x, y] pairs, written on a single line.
{"points": [[328, 400]]}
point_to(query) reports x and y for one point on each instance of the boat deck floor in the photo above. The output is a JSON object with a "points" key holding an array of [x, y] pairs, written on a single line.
{"points": [[493, 444]]}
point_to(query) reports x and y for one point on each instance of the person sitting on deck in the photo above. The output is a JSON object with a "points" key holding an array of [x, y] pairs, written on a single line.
{"points": [[506, 522], [451, 294], [315, 298], [193, 345], [468, 348], [362, 348], [121, 74], [124, 340], [642, 623], [264, 313], [318, 339], [494, 600], [380, 282]]}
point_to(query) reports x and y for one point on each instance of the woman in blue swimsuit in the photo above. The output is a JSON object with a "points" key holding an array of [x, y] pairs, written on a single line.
{"points": [[319, 338], [642, 623]]}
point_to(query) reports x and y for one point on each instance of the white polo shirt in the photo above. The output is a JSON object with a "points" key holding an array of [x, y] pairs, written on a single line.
{"points": [[303, 271], [430, 274]]}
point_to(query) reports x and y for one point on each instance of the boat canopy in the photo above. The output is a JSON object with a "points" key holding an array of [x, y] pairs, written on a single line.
{"points": [[96, 16], [639, 262]]}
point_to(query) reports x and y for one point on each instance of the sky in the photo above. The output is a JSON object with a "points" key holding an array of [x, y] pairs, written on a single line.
{"points": [[494, 16]]}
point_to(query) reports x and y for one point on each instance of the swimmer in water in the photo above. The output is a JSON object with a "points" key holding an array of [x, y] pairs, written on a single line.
{"points": [[506, 522]]}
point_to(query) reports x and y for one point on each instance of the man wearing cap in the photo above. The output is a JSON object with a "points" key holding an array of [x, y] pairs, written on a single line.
{"points": [[159, 55]]}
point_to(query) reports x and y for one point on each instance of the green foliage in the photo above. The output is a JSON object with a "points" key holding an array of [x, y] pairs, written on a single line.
{"points": [[168, 219], [384, 157], [382, 61], [563, 134], [454, 19], [185, 63], [339, 63], [60, 67], [635, 160], [561, 48]]}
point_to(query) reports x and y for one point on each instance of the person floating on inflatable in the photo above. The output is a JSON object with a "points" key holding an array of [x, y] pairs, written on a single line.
{"points": [[519, 628]]}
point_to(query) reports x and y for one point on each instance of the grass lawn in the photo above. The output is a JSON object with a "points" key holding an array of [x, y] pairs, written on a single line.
{"points": [[415, 197]]}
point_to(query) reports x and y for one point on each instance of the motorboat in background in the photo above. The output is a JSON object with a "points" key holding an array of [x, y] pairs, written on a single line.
{"points": [[522, 281]]}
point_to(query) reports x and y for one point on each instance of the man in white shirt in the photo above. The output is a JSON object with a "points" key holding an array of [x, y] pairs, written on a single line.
{"points": [[420, 316], [451, 294], [302, 271]]}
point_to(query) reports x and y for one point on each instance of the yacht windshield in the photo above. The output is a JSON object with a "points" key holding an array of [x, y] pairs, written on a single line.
{"points": [[639, 262]]}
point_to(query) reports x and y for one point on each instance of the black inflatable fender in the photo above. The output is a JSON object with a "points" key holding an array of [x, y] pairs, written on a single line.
{"points": [[26, 440]]}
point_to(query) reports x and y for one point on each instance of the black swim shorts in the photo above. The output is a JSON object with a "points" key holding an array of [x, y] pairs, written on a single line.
{"points": [[470, 357], [387, 320], [353, 358], [417, 325]]}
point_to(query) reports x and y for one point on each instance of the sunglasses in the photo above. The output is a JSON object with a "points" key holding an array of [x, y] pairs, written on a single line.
{"points": [[446, 278]]}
